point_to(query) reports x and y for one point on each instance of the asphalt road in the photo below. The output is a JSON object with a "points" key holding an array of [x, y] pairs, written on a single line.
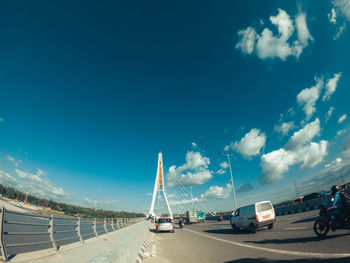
{"points": [[291, 240]]}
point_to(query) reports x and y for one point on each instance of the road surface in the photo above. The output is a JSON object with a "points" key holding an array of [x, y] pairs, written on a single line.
{"points": [[291, 240]]}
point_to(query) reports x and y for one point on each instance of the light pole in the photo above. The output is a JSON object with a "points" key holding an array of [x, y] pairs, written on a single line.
{"points": [[233, 186]]}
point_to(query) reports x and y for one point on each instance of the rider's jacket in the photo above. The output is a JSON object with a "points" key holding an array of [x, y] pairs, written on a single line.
{"points": [[337, 201]]}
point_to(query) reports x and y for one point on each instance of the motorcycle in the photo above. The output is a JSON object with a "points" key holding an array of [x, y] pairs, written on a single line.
{"points": [[325, 223]]}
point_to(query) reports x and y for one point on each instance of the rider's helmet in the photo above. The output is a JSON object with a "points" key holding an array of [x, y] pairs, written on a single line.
{"points": [[334, 189]]}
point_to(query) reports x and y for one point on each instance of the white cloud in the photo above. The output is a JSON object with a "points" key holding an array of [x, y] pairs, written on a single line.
{"points": [[247, 42], [342, 118], [12, 160], [308, 97], [312, 154], [339, 31], [268, 45], [299, 150], [341, 132], [194, 172], [343, 6], [304, 35], [149, 194], [100, 203], [194, 144], [251, 144], [183, 202], [285, 127], [38, 184], [332, 16], [332, 172], [304, 135], [340, 14], [274, 164], [7, 180], [224, 165], [335, 162], [345, 149], [217, 192], [331, 86], [329, 113], [221, 171]]}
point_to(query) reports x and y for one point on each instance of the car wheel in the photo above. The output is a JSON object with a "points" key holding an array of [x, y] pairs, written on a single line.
{"points": [[252, 228], [270, 226]]}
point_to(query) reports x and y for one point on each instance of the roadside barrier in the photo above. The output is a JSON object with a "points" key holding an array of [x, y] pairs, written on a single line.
{"points": [[21, 233]]}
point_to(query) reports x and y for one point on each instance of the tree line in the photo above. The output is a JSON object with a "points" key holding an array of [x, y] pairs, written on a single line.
{"points": [[70, 210]]}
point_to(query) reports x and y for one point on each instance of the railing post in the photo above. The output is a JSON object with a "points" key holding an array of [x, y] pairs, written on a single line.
{"points": [[118, 224], [2, 241], [52, 232], [105, 225], [112, 224], [78, 228], [95, 227]]}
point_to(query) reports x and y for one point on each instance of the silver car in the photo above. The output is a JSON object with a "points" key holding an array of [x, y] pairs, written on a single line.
{"points": [[165, 224]]}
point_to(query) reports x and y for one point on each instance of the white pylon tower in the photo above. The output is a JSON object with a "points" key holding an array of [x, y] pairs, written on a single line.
{"points": [[159, 187]]}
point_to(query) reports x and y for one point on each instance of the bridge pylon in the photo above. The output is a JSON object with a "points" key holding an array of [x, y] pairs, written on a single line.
{"points": [[159, 187]]}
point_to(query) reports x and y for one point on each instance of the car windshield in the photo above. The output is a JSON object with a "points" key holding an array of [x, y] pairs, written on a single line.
{"points": [[263, 207], [164, 220]]}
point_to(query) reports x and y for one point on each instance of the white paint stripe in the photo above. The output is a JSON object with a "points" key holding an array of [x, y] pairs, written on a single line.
{"points": [[154, 250], [286, 220], [294, 228], [277, 251]]}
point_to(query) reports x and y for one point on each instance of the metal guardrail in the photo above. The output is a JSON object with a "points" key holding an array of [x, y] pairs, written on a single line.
{"points": [[20, 232]]}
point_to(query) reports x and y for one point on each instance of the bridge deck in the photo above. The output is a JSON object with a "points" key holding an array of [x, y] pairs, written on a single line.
{"points": [[292, 240]]}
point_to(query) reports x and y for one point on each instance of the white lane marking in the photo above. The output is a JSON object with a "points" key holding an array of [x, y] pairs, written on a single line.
{"points": [[286, 220], [154, 250], [294, 228], [278, 251]]}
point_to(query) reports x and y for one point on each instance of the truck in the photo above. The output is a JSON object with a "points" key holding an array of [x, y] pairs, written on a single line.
{"points": [[201, 216], [192, 216]]}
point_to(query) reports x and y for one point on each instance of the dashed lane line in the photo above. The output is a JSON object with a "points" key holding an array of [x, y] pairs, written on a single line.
{"points": [[277, 251], [294, 228]]}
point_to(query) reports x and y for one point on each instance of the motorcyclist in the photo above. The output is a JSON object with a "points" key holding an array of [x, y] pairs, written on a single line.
{"points": [[220, 218], [181, 222], [336, 202]]}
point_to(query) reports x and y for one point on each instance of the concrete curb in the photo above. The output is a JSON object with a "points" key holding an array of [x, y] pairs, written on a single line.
{"points": [[142, 250]]}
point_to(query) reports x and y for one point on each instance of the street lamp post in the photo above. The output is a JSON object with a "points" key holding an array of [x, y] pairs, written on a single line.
{"points": [[233, 186]]}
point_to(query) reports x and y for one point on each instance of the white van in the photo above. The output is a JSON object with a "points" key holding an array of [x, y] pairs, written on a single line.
{"points": [[254, 216]]}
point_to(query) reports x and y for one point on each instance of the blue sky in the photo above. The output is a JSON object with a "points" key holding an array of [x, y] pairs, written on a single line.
{"points": [[91, 92]]}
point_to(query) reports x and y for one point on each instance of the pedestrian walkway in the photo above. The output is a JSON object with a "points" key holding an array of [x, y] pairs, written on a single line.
{"points": [[119, 246]]}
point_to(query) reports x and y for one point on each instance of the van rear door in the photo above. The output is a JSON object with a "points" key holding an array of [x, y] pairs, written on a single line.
{"points": [[265, 211]]}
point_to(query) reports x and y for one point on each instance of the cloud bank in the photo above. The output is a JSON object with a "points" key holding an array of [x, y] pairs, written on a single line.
{"points": [[267, 45]]}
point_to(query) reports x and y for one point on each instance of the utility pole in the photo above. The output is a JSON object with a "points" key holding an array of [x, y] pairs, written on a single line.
{"points": [[296, 189], [233, 185], [191, 198]]}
